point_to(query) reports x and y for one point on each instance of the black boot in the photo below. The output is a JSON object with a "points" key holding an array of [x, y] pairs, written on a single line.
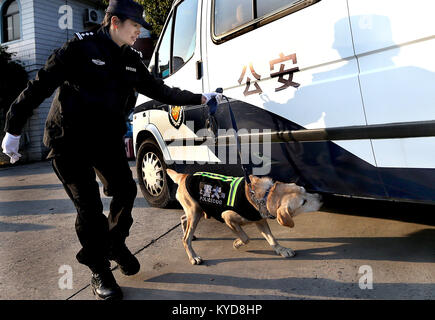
{"points": [[126, 261], [104, 286]]}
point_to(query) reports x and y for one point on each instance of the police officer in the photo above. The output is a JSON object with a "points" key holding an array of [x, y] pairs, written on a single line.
{"points": [[95, 72]]}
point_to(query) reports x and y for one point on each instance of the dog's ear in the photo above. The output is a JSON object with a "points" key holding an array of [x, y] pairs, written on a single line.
{"points": [[253, 178], [284, 218], [292, 187]]}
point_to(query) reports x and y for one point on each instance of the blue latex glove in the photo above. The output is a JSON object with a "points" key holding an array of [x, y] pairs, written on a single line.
{"points": [[213, 100]]}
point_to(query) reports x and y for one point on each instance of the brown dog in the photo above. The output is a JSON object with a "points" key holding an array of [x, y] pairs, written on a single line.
{"points": [[282, 201]]}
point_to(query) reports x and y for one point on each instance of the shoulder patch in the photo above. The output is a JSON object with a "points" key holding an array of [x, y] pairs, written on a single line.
{"points": [[83, 35], [138, 52]]}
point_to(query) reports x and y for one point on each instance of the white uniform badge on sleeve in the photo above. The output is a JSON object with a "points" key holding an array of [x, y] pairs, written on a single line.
{"points": [[98, 62], [82, 35]]}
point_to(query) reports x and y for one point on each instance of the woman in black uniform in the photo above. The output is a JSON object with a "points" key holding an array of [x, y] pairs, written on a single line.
{"points": [[96, 73]]}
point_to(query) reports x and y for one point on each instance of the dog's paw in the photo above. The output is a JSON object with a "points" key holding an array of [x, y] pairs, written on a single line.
{"points": [[196, 260], [239, 243], [285, 252]]}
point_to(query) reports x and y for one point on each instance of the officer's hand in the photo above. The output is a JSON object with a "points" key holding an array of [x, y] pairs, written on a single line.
{"points": [[10, 146], [206, 97]]}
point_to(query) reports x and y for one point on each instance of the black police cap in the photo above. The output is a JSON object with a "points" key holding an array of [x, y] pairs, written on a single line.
{"points": [[128, 9]]}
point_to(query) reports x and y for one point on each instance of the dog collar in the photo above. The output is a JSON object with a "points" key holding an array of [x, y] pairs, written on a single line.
{"points": [[262, 203]]}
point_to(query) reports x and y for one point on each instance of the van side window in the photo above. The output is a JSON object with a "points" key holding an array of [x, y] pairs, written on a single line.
{"points": [[230, 14], [232, 18], [164, 52], [266, 7], [184, 33]]}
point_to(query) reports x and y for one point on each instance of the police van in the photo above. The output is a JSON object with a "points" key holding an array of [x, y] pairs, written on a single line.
{"points": [[334, 95]]}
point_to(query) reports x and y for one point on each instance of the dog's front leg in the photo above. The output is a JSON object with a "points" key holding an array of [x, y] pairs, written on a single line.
{"points": [[263, 226], [184, 225], [192, 218], [233, 221]]}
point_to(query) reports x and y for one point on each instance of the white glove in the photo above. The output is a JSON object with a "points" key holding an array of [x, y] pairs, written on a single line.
{"points": [[211, 95], [10, 146]]}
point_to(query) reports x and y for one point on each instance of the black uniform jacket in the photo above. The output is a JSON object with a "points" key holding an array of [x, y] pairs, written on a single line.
{"points": [[217, 193], [95, 78]]}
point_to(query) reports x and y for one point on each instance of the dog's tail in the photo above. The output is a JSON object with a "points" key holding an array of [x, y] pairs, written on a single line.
{"points": [[174, 175]]}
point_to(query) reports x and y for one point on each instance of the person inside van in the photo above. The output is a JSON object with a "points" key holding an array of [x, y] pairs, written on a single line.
{"points": [[95, 73]]}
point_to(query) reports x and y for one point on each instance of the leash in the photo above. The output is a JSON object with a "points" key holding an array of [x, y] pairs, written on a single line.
{"points": [[261, 203], [213, 105]]}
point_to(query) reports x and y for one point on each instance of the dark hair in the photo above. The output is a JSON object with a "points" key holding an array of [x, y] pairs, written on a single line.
{"points": [[107, 21]]}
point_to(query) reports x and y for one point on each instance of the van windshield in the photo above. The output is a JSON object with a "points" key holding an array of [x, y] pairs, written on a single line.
{"points": [[184, 33]]}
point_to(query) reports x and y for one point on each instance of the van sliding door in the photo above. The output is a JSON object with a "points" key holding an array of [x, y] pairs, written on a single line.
{"points": [[292, 66], [395, 46]]}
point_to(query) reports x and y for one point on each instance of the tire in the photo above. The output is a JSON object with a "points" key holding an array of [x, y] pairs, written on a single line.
{"points": [[151, 173]]}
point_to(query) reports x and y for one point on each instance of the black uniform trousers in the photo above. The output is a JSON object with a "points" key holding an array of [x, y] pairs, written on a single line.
{"points": [[96, 232]]}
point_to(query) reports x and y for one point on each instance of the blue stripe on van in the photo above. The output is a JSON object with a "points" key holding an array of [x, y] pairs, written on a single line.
{"points": [[320, 166], [326, 167]]}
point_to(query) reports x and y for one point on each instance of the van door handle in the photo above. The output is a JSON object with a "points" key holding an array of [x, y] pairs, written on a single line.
{"points": [[198, 69]]}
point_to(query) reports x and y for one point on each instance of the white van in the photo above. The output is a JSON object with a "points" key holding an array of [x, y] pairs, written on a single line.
{"points": [[344, 91]]}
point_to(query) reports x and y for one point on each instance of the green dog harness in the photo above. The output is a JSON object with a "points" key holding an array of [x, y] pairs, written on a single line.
{"points": [[217, 193]]}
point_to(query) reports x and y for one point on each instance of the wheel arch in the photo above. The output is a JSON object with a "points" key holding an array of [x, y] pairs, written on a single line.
{"points": [[147, 142], [151, 131]]}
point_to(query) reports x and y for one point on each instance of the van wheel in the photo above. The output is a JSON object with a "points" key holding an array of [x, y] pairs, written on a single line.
{"points": [[151, 173]]}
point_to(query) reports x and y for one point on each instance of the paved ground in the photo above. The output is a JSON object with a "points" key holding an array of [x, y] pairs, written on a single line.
{"points": [[335, 247]]}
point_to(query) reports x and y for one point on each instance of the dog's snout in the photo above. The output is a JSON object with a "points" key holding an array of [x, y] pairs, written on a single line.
{"points": [[319, 199], [318, 196]]}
